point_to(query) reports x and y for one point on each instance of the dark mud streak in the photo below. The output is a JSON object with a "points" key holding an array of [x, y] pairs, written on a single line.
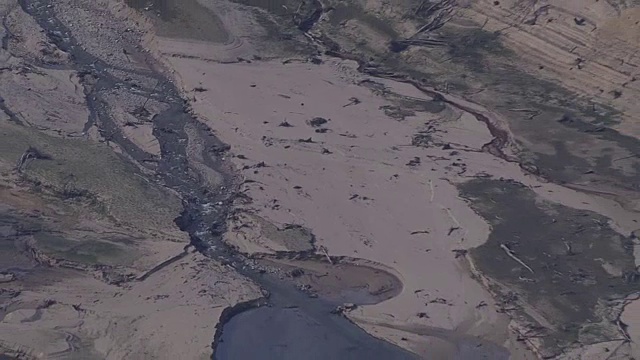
{"points": [[604, 164], [566, 248], [164, 264], [7, 34], [173, 170]]}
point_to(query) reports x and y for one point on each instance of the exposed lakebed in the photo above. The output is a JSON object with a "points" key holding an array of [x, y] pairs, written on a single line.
{"points": [[311, 325]]}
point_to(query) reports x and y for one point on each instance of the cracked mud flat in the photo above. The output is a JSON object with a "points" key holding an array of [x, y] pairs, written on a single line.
{"points": [[319, 179]]}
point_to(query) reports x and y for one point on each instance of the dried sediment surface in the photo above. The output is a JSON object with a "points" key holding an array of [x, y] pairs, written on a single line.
{"points": [[322, 177], [380, 178]]}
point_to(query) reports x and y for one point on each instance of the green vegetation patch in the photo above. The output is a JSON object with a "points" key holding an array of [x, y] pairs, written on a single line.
{"points": [[79, 168]]}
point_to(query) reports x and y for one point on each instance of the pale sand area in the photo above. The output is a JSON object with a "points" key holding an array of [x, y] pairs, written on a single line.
{"points": [[364, 153]]}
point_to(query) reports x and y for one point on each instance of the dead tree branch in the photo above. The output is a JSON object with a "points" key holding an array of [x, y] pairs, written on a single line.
{"points": [[326, 253], [514, 257], [623, 330], [436, 15], [431, 190]]}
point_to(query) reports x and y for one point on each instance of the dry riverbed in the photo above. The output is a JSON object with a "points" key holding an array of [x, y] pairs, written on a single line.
{"points": [[409, 167]]}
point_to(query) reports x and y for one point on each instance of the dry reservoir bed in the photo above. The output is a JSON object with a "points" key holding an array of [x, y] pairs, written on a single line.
{"points": [[360, 179]]}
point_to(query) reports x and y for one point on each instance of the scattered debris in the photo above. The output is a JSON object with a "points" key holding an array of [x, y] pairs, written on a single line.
{"points": [[342, 308], [326, 253], [623, 329], [71, 191], [440, 301], [142, 110], [352, 101], [350, 136], [422, 139], [435, 15], [566, 119], [414, 162], [285, 123], [396, 112], [317, 121], [460, 252], [616, 93], [296, 273]]}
